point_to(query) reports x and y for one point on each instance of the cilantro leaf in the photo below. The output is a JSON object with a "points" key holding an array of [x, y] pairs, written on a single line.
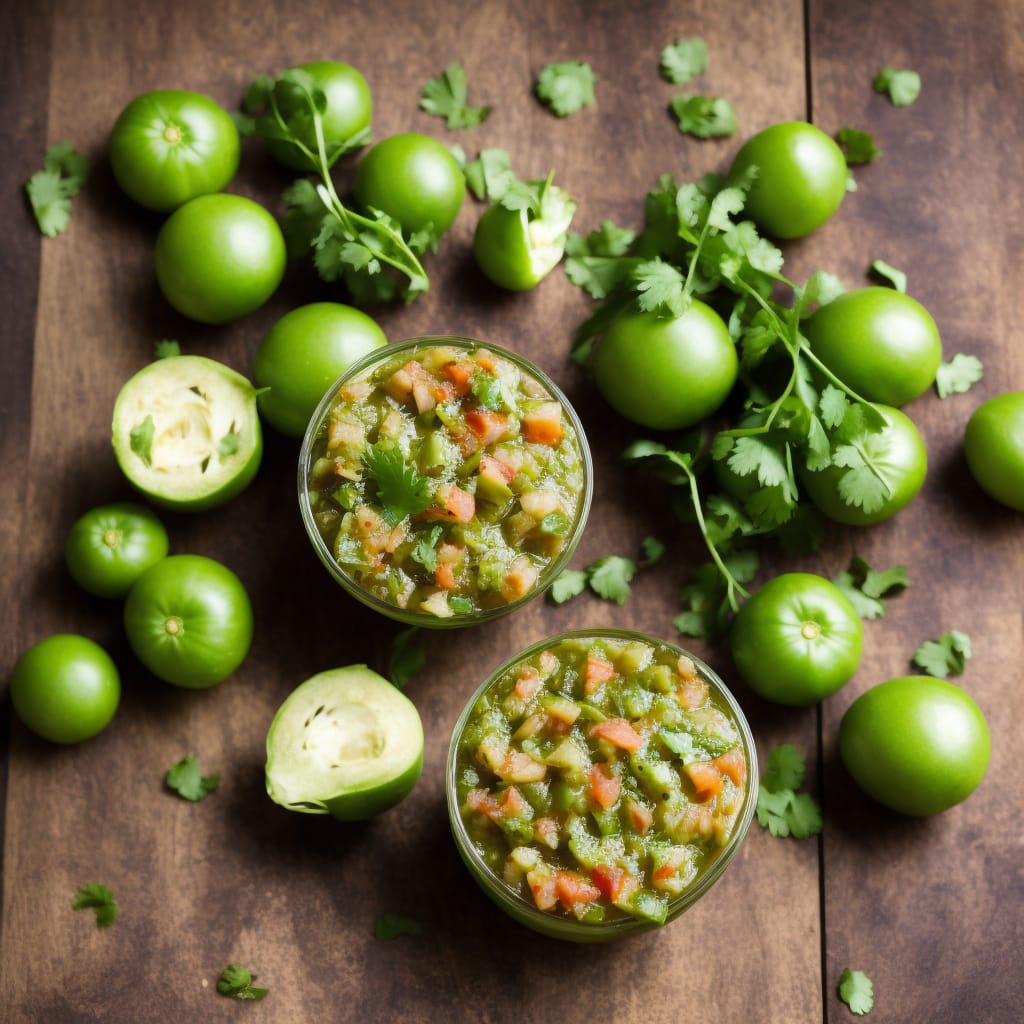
{"points": [[661, 288], [566, 87], [597, 262], [887, 272], [946, 656], [166, 349], [704, 117], [140, 439], [446, 95], [865, 587], [609, 577], [683, 60], [392, 926], [99, 898], [236, 981], [780, 809], [858, 145], [187, 780], [903, 87], [425, 549], [49, 190], [489, 175], [785, 813], [855, 989], [401, 490], [784, 769], [958, 375], [652, 549], [407, 658], [568, 584]]}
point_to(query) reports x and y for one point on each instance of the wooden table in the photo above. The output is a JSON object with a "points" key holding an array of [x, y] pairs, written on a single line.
{"points": [[930, 909]]}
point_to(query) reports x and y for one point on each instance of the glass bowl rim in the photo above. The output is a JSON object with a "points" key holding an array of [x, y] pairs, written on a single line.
{"points": [[548, 923], [550, 572]]}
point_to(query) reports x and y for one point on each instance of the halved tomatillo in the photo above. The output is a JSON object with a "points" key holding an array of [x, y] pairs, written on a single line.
{"points": [[346, 742], [186, 432]]}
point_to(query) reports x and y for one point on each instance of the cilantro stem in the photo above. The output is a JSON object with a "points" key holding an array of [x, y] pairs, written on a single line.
{"points": [[805, 350], [364, 230]]}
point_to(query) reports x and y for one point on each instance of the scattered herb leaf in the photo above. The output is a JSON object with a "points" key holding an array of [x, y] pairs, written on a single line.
{"points": [[652, 549], [858, 145], [684, 59], [866, 588], [780, 809], [392, 926], [566, 87], [236, 982], [490, 174], [446, 95], [99, 898], [888, 273], [903, 87], [568, 584], [855, 989], [187, 780], [407, 657], [946, 656], [49, 190], [958, 375], [704, 117], [609, 577]]}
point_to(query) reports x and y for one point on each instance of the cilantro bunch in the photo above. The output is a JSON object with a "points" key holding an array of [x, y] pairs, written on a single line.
{"points": [[797, 414], [369, 253]]}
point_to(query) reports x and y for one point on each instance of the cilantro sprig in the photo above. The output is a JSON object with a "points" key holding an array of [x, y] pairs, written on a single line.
{"points": [[446, 95], [566, 87], [50, 189], [187, 780], [99, 898], [780, 809], [867, 588], [401, 490], [704, 117], [856, 990], [369, 253], [236, 982], [945, 656], [684, 59], [902, 87], [958, 375]]}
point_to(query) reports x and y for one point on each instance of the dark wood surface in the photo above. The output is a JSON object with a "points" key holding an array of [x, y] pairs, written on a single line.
{"points": [[931, 910]]}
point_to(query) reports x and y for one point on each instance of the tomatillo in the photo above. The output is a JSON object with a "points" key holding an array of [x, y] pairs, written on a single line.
{"points": [[797, 640], [186, 432], [346, 742]]}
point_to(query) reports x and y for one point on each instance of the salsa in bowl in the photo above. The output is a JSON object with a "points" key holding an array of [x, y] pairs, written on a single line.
{"points": [[599, 783], [444, 482]]}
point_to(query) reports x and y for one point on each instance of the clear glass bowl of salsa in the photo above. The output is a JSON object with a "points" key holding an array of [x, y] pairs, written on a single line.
{"points": [[444, 481], [599, 783]]}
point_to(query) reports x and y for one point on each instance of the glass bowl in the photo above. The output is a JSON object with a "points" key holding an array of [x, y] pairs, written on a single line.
{"points": [[479, 489], [474, 807]]}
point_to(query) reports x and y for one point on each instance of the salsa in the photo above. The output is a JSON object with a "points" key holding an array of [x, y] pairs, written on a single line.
{"points": [[445, 478], [600, 777]]}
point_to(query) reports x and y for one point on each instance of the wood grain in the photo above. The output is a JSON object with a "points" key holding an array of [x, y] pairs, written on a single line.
{"points": [[237, 879]]}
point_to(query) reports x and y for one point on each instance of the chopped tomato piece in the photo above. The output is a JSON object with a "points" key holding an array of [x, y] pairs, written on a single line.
{"points": [[455, 505], [481, 801], [496, 469], [731, 763], [640, 816], [520, 767], [548, 662], [706, 779], [460, 374], [692, 692], [544, 893], [605, 786], [519, 579], [618, 732], [611, 880], [543, 425], [598, 671], [444, 575], [573, 888], [665, 871], [488, 427], [512, 803], [546, 829], [528, 683]]}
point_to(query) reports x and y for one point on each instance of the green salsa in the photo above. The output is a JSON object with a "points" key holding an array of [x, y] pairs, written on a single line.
{"points": [[445, 479], [600, 778]]}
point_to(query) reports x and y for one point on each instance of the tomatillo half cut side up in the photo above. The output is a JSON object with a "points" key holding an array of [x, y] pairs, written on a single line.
{"points": [[915, 744], [111, 546], [186, 432], [797, 640], [189, 621], [347, 743]]}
